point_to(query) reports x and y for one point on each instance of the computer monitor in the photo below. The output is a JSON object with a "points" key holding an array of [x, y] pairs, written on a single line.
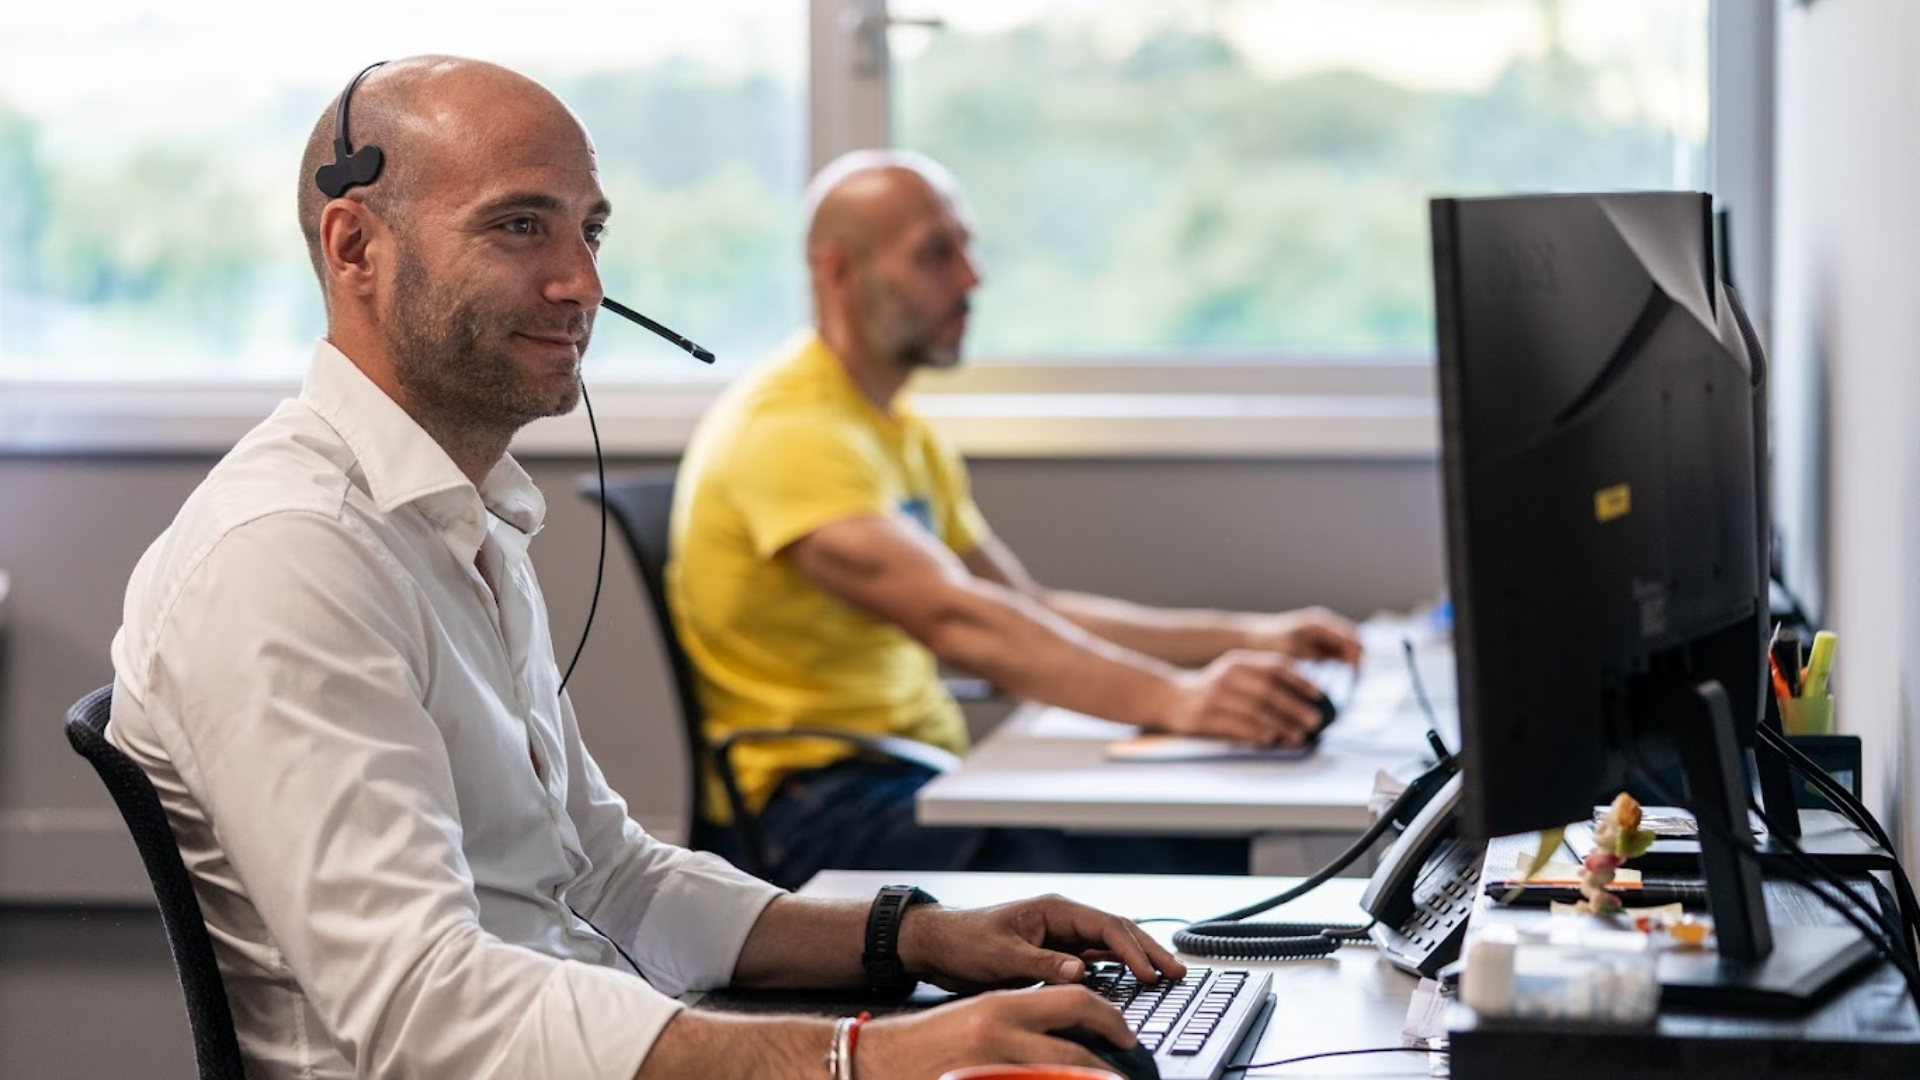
{"points": [[1603, 417]]}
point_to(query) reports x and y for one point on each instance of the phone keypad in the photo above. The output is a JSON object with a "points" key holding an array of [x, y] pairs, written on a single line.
{"points": [[1443, 899]]}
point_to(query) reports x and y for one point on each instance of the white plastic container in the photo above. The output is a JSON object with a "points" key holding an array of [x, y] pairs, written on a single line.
{"points": [[1605, 977]]}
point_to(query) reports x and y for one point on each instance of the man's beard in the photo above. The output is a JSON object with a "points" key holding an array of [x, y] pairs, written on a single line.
{"points": [[452, 356], [908, 336]]}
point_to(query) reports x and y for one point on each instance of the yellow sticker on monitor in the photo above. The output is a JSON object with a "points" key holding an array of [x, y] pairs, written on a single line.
{"points": [[1612, 502]]}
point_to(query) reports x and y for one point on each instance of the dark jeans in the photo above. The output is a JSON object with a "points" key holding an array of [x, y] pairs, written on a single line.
{"points": [[858, 815]]}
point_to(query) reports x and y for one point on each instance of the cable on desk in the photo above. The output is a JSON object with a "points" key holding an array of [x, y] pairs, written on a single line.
{"points": [[1803, 869], [1343, 1053], [1855, 811], [1419, 688], [1810, 867]]}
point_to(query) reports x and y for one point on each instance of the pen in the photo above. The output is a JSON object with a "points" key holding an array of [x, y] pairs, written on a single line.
{"points": [[1819, 665], [1786, 659], [1780, 688]]}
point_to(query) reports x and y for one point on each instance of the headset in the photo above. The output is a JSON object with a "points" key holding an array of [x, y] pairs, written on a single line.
{"points": [[349, 168]]}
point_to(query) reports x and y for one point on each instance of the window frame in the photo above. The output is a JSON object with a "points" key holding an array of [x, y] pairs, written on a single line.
{"points": [[1040, 407]]}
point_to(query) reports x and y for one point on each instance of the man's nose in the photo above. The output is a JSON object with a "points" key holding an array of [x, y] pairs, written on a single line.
{"points": [[575, 276], [971, 273]]}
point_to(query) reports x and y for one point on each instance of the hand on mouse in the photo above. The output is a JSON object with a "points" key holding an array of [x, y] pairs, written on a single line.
{"points": [[1008, 1026], [1046, 939], [1247, 696]]}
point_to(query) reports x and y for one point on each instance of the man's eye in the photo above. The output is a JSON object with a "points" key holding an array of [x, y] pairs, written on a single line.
{"points": [[595, 233], [520, 226]]}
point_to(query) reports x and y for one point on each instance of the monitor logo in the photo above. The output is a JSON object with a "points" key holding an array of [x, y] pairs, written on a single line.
{"points": [[1522, 268], [1612, 502]]}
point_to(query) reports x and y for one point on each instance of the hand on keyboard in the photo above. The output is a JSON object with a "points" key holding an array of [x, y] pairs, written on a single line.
{"points": [[1191, 1025], [1038, 940]]}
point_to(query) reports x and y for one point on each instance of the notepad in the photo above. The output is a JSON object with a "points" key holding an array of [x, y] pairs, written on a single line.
{"points": [[1193, 748]]}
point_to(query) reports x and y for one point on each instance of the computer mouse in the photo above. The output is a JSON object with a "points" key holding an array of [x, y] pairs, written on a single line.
{"points": [[1328, 711], [1133, 1062]]}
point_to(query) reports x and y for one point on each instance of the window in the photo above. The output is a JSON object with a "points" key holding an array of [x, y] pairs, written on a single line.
{"points": [[148, 152], [1248, 179], [1224, 199]]}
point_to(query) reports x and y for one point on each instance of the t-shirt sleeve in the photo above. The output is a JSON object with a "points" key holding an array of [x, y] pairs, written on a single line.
{"points": [[787, 477]]}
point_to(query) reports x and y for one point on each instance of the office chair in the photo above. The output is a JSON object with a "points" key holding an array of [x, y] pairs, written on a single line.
{"points": [[642, 503], [215, 1047]]}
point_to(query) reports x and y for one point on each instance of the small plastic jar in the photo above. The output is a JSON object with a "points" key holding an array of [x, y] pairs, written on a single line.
{"points": [[1609, 978]]}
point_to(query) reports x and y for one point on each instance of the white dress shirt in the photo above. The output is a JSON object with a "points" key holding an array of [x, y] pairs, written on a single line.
{"points": [[380, 792]]}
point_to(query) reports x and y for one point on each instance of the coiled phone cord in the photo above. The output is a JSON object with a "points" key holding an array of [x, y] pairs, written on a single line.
{"points": [[1228, 937]]}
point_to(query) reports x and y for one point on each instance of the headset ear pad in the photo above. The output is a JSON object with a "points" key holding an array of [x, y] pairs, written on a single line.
{"points": [[356, 169]]}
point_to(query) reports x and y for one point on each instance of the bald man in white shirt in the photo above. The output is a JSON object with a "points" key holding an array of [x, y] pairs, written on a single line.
{"points": [[336, 667]]}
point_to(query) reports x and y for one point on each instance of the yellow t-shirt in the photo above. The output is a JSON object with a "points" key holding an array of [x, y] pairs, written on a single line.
{"points": [[782, 452]]}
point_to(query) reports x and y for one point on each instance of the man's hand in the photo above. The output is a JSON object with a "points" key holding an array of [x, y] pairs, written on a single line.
{"points": [[1008, 1026], [1248, 696], [1312, 633], [1049, 939]]}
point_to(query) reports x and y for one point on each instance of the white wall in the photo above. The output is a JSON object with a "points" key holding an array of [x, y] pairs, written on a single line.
{"points": [[1846, 340]]}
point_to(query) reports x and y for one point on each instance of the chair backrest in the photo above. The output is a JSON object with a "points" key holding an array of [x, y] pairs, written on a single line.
{"points": [[641, 502], [214, 1045]]}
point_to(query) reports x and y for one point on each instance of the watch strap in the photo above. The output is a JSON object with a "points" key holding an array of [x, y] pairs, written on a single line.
{"points": [[886, 976]]}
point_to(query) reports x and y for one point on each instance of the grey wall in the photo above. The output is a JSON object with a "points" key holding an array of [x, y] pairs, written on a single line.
{"points": [[75, 929]]}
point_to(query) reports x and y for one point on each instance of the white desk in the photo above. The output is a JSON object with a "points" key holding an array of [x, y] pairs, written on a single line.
{"points": [[1350, 1000], [1044, 767]]}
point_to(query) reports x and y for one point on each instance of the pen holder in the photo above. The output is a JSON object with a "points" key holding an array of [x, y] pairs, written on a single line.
{"points": [[1807, 716]]}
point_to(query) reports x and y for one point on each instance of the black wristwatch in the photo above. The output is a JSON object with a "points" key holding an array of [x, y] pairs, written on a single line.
{"points": [[886, 977]]}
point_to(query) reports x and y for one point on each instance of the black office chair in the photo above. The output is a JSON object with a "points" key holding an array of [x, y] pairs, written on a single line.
{"points": [[642, 503], [214, 1044]]}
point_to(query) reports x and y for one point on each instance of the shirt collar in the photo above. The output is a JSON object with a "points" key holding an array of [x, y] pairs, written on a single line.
{"points": [[401, 462]]}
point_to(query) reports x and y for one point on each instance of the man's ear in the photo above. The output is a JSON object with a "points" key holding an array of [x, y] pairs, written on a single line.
{"points": [[834, 266], [351, 236]]}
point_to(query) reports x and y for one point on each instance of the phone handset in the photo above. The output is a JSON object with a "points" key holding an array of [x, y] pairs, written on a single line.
{"points": [[1423, 890]]}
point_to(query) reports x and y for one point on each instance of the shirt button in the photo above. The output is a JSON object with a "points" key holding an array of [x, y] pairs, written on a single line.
{"points": [[471, 516]]}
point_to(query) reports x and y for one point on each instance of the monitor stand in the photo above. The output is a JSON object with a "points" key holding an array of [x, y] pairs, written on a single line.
{"points": [[1756, 965]]}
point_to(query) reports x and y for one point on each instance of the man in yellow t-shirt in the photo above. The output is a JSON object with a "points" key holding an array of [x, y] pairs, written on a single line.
{"points": [[828, 556], [784, 452]]}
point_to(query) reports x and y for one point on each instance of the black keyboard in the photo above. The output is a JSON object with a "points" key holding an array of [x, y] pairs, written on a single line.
{"points": [[1191, 1025]]}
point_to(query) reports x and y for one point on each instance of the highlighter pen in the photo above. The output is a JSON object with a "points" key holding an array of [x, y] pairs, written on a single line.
{"points": [[1819, 665]]}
